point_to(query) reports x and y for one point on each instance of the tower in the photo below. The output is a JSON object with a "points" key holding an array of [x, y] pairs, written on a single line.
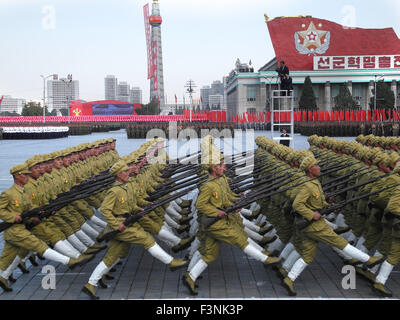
{"points": [[154, 52]]}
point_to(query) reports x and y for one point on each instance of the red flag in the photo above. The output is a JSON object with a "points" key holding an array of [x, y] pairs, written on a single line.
{"points": [[336, 115], [176, 99], [374, 115], [396, 115], [290, 39]]}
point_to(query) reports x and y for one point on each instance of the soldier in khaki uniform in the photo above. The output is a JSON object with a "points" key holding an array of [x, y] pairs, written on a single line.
{"points": [[17, 238], [115, 207], [152, 223], [308, 202], [392, 221], [210, 203]]}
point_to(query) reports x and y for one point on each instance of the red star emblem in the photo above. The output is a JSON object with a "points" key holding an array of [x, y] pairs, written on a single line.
{"points": [[312, 36], [77, 112]]}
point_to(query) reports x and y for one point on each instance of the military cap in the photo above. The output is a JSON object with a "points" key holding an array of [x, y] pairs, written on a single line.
{"points": [[380, 158], [307, 163], [289, 156], [211, 157], [19, 169], [397, 168], [57, 154], [360, 138], [65, 152], [393, 158], [118, 167], [31, 162], [312, 138], [297, 156], [259, 141]]}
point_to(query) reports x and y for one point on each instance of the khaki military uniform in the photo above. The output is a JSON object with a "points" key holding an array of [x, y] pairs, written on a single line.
{"points": [[309, 200], [393, 207], [18, 240], [210, 198], [117, 203]]}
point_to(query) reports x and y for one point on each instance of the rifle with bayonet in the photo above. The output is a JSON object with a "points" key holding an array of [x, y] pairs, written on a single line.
{"points": [[55, 205], [134, 217], [356, 186]]}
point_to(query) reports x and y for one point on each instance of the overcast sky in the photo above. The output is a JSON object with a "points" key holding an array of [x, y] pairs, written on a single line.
{"points": [[201, 39]]}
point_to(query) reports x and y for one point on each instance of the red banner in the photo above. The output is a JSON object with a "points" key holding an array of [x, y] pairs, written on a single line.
{"points": [[298, 40]]}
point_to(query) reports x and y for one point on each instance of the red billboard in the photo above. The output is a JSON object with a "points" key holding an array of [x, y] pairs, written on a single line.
{"points": [[298, 40]]}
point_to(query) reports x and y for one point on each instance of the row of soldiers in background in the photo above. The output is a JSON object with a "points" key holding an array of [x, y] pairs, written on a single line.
{"points": [[66, 236], [374, 221], [385, 143]]}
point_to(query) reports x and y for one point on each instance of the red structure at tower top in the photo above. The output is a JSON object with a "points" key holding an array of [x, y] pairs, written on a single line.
{"points": [[155, 20]]}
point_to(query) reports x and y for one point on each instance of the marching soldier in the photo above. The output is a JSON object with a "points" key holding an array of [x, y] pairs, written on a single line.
{"points": [[392, 217], [210, 203], [115, 208], [308, 202], [17, 238]]}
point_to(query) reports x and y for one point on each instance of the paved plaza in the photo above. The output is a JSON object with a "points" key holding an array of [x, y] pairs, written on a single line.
{"points": [[233, 275]]}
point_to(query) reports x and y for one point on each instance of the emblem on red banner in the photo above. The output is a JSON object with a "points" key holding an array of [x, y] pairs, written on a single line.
{"points": [[312, 41]]}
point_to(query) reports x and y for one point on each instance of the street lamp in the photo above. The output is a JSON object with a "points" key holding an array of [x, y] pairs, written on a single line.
{"points": [[376, 78], [68, 82], [190, 89], [44, 95]]}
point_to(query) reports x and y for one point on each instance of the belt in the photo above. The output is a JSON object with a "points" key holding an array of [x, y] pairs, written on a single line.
{"points": [[125, 215]]}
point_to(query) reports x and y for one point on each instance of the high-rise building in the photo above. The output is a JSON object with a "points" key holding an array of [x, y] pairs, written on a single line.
{"points": [[205, 92], [10, 104], [110, 87], [136, 95], [217, 87], [216, 101], [61, 92], [123, 91]]}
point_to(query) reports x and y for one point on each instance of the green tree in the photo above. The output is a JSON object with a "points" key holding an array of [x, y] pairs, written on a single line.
{"points": [[344, 100], [384, 98], [9, 114], [307, 99], [32, 109], [64, 112], [151, 108]]}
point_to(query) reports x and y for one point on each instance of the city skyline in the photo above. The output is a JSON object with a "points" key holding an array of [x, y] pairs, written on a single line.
{"points": [[201, 40]]}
